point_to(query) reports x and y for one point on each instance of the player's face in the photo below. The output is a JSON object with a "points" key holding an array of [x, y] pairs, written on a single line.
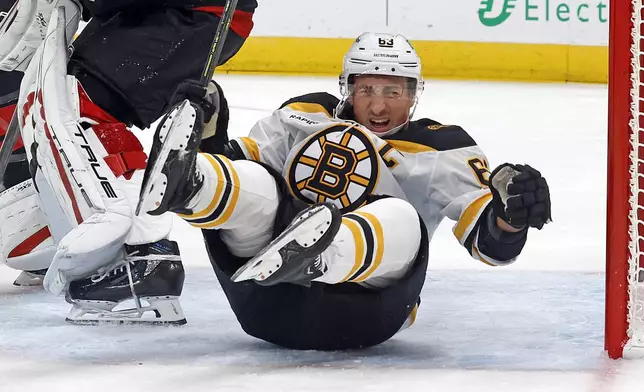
{"points": [[381, 102]]}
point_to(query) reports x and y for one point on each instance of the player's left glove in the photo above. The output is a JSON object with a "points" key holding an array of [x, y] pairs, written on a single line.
{"points": [[520, 196]]}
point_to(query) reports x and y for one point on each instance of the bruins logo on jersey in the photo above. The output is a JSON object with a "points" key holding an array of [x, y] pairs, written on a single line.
{"points": [[338, 164]]}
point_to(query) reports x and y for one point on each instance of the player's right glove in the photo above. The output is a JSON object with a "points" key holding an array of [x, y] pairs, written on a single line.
{"points": [[520, 196]]}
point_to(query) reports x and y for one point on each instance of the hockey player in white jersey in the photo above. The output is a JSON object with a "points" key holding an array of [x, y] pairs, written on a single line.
{"points": [[318, 222]]}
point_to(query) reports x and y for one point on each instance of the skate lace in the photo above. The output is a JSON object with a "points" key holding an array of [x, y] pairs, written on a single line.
{"points": [[130, 260], [119, 269], [123, 266]]}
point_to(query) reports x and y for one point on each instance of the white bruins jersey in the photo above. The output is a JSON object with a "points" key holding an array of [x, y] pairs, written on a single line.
{"points": [[438, 168]]}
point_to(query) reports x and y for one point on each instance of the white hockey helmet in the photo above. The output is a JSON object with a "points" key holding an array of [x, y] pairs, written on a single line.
{"points": [[380, 54]]}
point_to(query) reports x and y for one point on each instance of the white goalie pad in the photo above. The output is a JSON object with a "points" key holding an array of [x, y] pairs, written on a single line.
{"points": [[25, 26], [83, 188], [25, 241]]}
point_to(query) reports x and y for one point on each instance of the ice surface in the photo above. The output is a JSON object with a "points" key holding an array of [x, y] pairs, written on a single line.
{"points": [[534, 326]]}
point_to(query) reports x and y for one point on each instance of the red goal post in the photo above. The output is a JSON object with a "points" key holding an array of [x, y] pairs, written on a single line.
{"points": [[624, 328]]}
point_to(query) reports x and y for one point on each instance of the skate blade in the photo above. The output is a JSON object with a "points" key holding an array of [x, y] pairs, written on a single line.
{"points": [[26, 279], [314, 222], [149, 200], [165, 310], [28, 285]]}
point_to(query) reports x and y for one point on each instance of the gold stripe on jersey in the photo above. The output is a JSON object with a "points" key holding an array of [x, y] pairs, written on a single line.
{"points": [[306, 107], [231, 200], [218, 190], [235, 197], [410, 147], [370, 246], [467, 217], [479, 257], [412, 315], [379, 243], [251, 147], [359, 241]]}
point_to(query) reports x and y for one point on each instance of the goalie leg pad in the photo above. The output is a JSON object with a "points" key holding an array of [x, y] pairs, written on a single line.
{"points": [[66, 142], [123, 153], [24, 28], [25, 241]]}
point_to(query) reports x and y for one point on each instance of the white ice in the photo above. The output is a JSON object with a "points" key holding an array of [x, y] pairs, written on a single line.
{"points": [[534, 326]]}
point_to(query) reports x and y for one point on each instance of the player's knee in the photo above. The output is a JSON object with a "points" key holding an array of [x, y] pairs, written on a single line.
{"points": [[395, 211], [400, 224], [405, 228], [401, 209]]}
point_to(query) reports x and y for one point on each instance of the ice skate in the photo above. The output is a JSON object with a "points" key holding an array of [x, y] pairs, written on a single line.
{"points": [[151, 277], [295, 255], [30, 278], [170, 176]]}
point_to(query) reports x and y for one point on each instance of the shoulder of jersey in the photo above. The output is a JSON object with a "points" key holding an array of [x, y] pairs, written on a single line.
{"points": [[324, 103], [426, 134]]}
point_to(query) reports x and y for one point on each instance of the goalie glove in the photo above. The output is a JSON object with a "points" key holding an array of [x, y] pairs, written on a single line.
{"points": [[520, 196]]}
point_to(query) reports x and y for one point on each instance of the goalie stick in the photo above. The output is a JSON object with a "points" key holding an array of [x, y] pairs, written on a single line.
{"points": [[9, 141], [206, 76], [11, 136]]}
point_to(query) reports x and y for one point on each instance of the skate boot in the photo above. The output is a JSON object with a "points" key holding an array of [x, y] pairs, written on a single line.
{"points": [[170, 176], [295, 255], [151, 276], [30, 278]]}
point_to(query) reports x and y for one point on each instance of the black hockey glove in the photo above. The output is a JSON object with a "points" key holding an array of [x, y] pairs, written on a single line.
{"points": [[195, 93], [215, 109], [520, 196]]}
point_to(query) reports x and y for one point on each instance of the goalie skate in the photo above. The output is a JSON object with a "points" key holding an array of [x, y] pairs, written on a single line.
{"points": [[295, 255], [145, 288]]}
